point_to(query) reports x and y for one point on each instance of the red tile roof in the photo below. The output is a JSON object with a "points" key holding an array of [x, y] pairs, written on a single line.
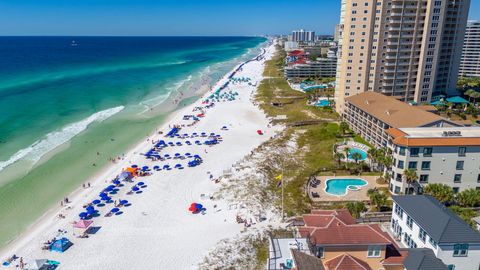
{"points": [[346, 262], [339, 234]]}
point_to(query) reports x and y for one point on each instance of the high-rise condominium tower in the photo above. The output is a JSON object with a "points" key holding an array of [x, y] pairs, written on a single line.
{"points": [[470, 64], [409, 49]]}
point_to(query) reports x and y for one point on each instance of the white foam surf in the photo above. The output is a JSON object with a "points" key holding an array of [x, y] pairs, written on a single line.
{"points": [[56, 138]]}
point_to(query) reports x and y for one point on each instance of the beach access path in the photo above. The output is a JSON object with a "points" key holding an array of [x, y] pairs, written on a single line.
{"points": [[157, 231]]}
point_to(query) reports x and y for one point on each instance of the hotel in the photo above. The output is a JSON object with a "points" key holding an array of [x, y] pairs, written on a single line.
{"points": [[470, 64], [446, 155], [409, 49]]}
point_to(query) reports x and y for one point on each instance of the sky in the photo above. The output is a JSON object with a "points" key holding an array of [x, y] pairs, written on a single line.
{"points": [[171, 17]]}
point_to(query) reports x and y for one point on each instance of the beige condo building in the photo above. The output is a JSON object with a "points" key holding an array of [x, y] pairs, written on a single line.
{"points": [[409, 49]]}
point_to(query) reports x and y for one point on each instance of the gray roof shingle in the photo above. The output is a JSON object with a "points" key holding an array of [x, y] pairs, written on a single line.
{"points": [[441, 224], [423, 259]]}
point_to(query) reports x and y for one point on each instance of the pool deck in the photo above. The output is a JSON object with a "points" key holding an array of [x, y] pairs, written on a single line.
{"points": [[360, 195]]}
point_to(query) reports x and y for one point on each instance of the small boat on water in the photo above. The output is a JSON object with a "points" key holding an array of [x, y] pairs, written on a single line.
{"points": [[74, 43]]}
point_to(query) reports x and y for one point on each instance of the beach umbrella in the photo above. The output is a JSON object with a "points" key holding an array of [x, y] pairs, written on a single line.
{"points": [[89, 208], [103, 194], [156, 167], [178, 165], [114, 210], [135, 188], [96, 201], [166, 167], [140, 183], [37, 264], [106, 198], [83, 215], [145, 168], [116, 182], [123, 202], [187, 154], [134, 166], [196, 156], [177, 154]]}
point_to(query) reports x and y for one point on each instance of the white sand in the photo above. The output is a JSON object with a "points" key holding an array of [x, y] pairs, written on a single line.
{"points": [[157, 231]]}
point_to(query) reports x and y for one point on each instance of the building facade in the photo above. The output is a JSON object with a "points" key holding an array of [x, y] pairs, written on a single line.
{"points": [[371, 114], [470, 64], [409, 49], [303, 36], [321, 68], [446, 155], [420, 221]]}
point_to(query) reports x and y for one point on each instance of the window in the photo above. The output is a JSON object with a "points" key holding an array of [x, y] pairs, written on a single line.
{"points": [[456, 189], [320, 252], [414, 152], [409, 222], [460, 250], [402, 151], [432, 242], [423, 178], [374, 251], [399, 211], [478, 178], [451, 267], [425, 165], [460, 164], [462, 151], [422, 235], [400, 164], [457, 178], [427, 152], [412, 165]]}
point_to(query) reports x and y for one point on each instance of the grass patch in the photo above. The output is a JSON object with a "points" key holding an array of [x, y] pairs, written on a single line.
{"points": [[262, 253]]}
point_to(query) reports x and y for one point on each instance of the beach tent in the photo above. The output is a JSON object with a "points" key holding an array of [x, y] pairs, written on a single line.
{"points": [[132, 171], [60, 245], [81, 226], [41, 264]]}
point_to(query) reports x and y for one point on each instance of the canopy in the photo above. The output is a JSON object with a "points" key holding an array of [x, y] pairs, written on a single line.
{"points": [[457, 100], [60, 245], [131, 170], [82, 224], [40, 264]]}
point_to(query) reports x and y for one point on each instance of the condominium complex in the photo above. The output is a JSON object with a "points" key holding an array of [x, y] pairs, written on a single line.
{"points": [[446, 155], [371, 114], [410, 49], [303, 36], [470, 64], [423, 222], [324, 67]]}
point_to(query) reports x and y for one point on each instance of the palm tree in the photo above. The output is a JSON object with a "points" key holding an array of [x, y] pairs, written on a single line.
{"points": [[441, 192], [469, 93], [356, 156], [469, 198], [339, 156], [356, 208], [377, 198], [372, 155], [343, 127], [410, 177]]}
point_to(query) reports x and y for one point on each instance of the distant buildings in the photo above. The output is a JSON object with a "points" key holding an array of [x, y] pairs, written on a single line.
{"points": [[407, 49], [303, 67], [470, 64], [422, 222], [303, 36], [371, 114], [446, 155]]}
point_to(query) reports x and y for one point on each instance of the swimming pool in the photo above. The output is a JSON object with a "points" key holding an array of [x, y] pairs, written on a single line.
{"points": [[323, 103], [362, 153], [339, 186]]}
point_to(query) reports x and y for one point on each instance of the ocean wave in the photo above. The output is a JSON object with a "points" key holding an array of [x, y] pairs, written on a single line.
{"points": [[56, 138]]}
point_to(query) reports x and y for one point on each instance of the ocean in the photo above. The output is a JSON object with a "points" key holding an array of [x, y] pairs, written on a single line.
{"points": [[67, 103]]}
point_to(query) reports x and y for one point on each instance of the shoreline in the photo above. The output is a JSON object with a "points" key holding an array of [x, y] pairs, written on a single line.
{"points": [[104, 173], [97, 172]]}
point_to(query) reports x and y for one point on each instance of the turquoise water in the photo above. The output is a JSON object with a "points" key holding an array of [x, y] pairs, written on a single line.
{"points": [[64, 107], [323, 103], [339, 186], [362, 153]]}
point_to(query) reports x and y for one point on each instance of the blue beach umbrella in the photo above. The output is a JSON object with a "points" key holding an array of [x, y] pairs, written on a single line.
{"points": [[83, 215], [96, 201], [114, 210], [123, 202], [140, 183], [135, 188], [116, 182], [166, 167], [134, 166], [156, 167]]}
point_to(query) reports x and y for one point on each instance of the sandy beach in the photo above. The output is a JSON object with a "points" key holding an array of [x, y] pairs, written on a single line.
{"points": [[157, 231]]}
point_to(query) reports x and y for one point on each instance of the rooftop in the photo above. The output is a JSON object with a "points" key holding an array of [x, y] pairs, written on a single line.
{"points": [[436, 136], [423, 259], [392, 111], [441, 224], [346, 262], [305, 261]]}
